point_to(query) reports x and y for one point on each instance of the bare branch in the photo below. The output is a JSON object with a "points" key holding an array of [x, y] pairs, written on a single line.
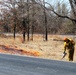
{"points": [[51, 9]]}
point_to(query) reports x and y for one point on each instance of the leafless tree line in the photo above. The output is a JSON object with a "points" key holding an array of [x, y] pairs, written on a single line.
{"points": [[33, 16]]}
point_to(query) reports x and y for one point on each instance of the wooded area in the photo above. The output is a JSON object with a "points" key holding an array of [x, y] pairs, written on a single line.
{"points": [[34, 17]]}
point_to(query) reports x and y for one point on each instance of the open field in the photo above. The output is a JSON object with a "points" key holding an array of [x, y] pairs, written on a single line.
{"points": [[51, 49]]}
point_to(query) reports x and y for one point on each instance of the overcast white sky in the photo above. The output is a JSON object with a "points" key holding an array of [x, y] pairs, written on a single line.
{"points": [[56, 0], [53, 2]]}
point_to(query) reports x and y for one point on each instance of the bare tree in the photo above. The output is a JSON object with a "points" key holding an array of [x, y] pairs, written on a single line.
{"points": [[28, 20], [45, 22], [73, 7]]}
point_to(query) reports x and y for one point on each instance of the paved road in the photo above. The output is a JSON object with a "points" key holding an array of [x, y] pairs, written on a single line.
{"points": [[21, 65]]}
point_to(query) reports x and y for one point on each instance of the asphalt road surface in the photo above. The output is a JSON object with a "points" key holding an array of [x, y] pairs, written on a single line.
{"points": [[22, 65]]}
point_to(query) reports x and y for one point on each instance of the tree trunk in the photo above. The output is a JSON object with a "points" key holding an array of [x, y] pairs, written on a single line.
{"points": [[45, 23], [73, 8], [24, 36], [14, 30], [28, 20]]}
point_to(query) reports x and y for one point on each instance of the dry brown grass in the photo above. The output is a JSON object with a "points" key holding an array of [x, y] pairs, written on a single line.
{"points": [[51, 49]]}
